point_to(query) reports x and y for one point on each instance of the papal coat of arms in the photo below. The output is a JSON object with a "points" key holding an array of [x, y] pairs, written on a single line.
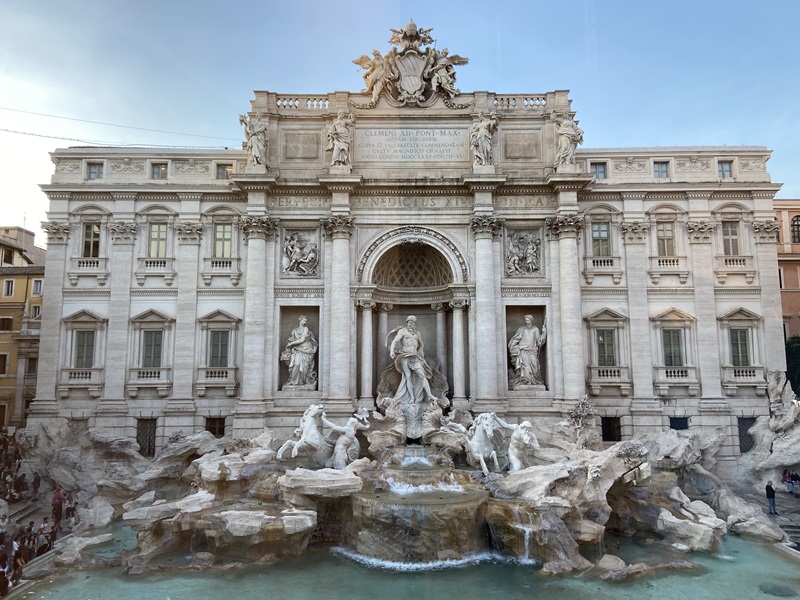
{"points": [[411, 76]]}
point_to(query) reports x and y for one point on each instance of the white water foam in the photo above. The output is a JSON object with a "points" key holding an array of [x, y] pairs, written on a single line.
{"points": [[405, 489], [411, 461], [437, 565]]}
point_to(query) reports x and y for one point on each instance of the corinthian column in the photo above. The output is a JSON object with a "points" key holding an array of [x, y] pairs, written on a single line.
{"points": [[339, 229], [459, 367], [566, 228], [485, 229], [366, 399]]}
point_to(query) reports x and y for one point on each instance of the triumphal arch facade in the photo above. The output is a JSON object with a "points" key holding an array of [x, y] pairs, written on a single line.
{"points": [[231, 289]]}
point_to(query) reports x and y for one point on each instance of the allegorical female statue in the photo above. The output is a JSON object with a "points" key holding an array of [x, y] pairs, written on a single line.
{"points": [[299, 355], [524, 349]]}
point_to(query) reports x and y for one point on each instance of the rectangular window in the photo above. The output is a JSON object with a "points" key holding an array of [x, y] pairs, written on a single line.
{"points": [[611, 428], [8, 256], [672, 340], [725, 169], [36, 311], [37, 286], [146, 436], [31, 365], [216, 425], [158, 171], [8, 288], [91, 240], [218, 352], [730, 238], [740, 347], [84, 349], [600, 243], [606, 348], [6, 324], [665, 238], [746, 441], [224, 171], [157, 240], [598, 170], [679, 423], [660, 170], [94, 170], [151, 348], [223, 240], [3, 364]]}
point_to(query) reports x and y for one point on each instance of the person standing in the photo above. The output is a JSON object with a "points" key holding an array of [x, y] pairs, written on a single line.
{"points": [[37, 481], [771, 498]]}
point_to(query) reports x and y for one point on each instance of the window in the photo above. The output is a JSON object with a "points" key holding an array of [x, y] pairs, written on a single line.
{"points": [[218, 350], [672, 340], [36, 311], [152, 342], [606, 348], [611, 428], [740, 347], [730, 238], [600, 241], [224, 171], [679, 423], [91, 240], [796, 230], [158, 171], [660, 169], [665, 238], [8, 288], [6, 324], [3, 364], [157, 240], [84, 350], [216, 425], [146, 436], [32, 365], [725, 169], [223, 239], [598, 170], [37, 286], [8, 256], [94, 170], [746, 441]]}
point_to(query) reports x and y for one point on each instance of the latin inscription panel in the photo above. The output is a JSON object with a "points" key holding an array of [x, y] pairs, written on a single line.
{"points": [[422, 145]]}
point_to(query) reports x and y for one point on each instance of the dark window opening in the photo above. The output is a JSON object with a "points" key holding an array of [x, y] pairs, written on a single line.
{"points": [[216, 426], [146, 436], [746, 442], [612, 429], [679, 423]]}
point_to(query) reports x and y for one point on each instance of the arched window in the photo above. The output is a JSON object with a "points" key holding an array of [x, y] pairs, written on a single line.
{"points": [[796, 230]]}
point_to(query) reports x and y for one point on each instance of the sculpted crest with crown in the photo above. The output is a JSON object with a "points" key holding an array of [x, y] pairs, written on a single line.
{"points": [[411, 76]]}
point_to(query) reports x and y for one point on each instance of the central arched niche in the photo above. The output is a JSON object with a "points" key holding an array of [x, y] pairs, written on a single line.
{"points": [[412, 265]]}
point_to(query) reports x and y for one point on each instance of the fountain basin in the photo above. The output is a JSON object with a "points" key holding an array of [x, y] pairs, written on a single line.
{"points": [[418, 527]]}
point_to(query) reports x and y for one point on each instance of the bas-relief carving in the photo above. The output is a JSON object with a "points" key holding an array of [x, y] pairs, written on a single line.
{"points": [[411, 76], [192, 166], [480, 139], [57, 233], [630, 165], [300, 253], [634, 231], [522, 253], [126, 165], [299, 355], [694, 164], [524, 347], [255, 132], [66, 166], [757, 164], [340, 138], [766, 231], [569, 136]]}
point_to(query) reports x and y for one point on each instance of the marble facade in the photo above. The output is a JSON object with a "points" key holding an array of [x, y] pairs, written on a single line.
{"points": [[174, 278]]}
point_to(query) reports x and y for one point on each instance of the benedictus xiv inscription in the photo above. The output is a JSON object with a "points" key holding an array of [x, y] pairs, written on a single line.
{"points": [[412, 144]]}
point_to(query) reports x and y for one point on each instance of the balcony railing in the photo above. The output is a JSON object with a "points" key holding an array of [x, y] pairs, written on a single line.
{"points": [[668, 265], [602, 265], [734, 265], [149, 377], [217, 377], [683, 376], [88, 267], [90, 379], [156, 267], [600, 377], [221, 267]]}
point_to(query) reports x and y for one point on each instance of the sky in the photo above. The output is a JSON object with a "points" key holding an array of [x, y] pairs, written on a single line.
{"points": [[640, 73]]}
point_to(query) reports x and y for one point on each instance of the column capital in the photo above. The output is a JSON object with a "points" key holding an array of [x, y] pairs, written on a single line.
{"points": [[438, 306], [766, 231], [338, 226], [57, 232], [485, 226], [458, 304], [634, 232], [366, 304], [564, 226], [258, 227], [385, 307], [188, 232], [699, 231], [122, 232]]}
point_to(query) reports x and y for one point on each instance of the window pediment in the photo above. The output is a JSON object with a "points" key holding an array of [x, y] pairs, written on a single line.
{"points": [[673, 316], [606, 315], [219, 316], [740, 316], [84, 316], [151, 316]]}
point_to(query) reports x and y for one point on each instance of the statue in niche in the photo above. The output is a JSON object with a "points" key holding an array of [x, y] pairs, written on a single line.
{"points": [[440, 69], [347, 447], [522, 257], [298, 354], [480, 138], [411, 392], [569, 136], [300, 255], [340, 138], [522, 438], [255, 132], [379, 72], [524, 348]]}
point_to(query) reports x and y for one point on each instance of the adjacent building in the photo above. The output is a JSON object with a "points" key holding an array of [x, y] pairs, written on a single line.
{"points": [[178, 279], [788, 213]]}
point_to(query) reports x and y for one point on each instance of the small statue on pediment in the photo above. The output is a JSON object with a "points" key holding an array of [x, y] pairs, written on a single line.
{"points": [[411, 37], [569, 136], [440, 69], [255, 132], [340, 138]]}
